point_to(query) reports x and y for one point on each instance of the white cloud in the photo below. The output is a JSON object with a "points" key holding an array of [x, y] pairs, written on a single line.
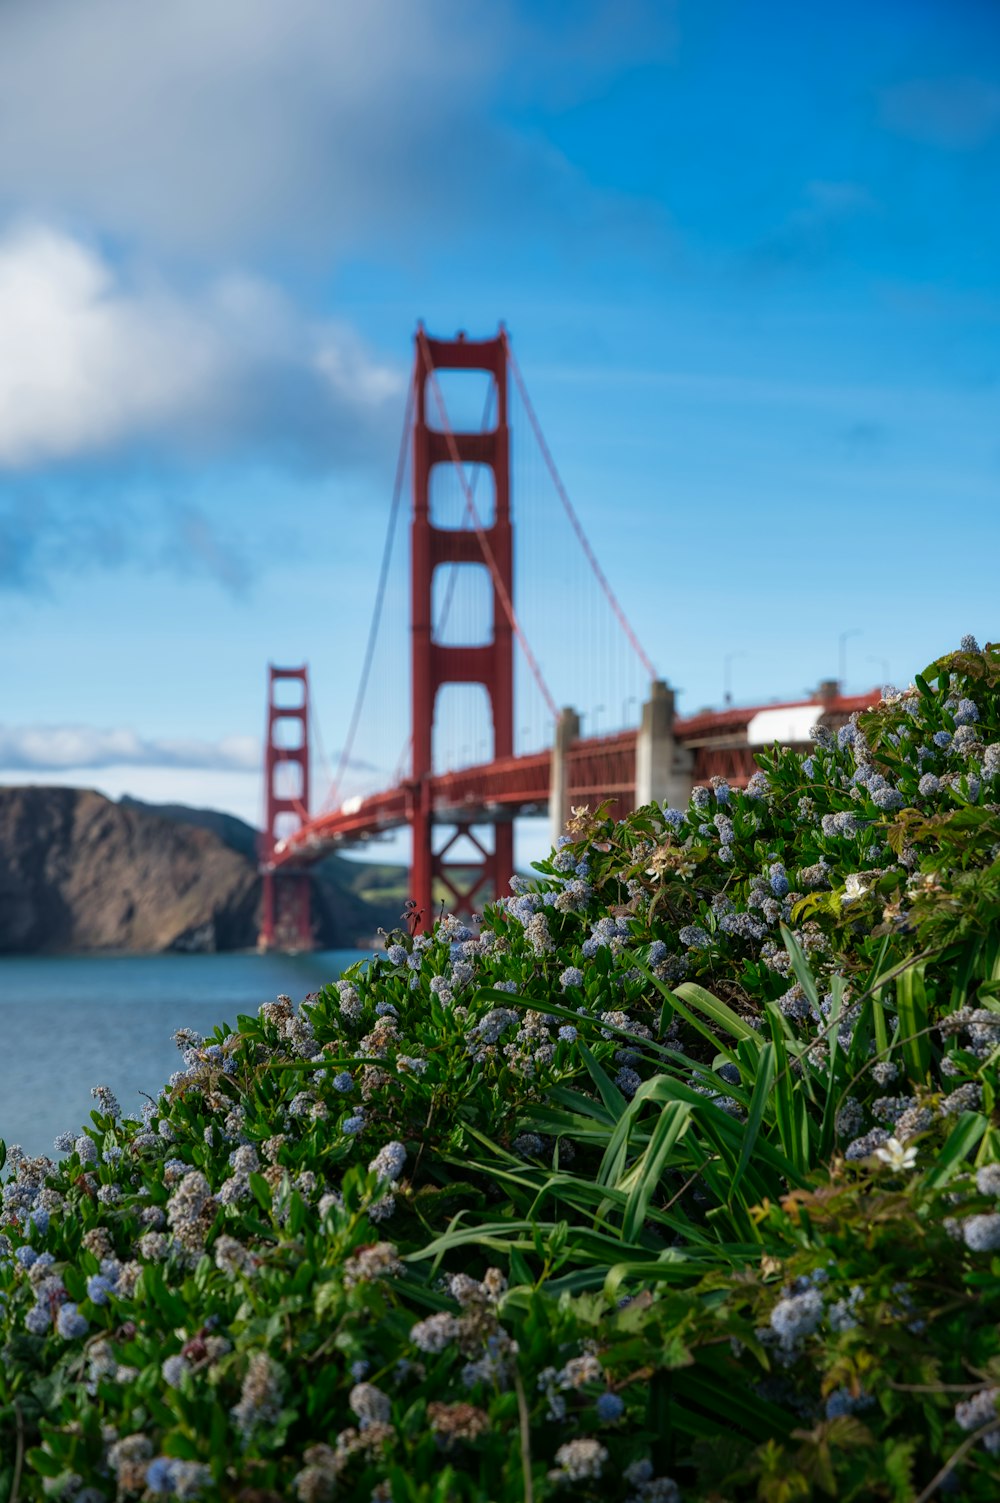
{"points": [[47, 748], [94, 360], [202, 124], [80, 748], [323, 126]]}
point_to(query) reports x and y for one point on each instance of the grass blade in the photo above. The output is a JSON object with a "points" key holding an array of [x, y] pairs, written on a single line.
{"points": [[759, 1102], [789, 1106], [673, 1123], [911, 1004], [612, 1097], [721, 1014], [959, 1143]]}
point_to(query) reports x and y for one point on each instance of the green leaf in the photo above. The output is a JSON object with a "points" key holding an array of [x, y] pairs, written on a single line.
{"points": [[789, 1105], [832, 1035], [911, 1004], [759, 1102], [44, 1463], [719, 1012], [673, 1123], [76, 1284], [297, 1214], [612, 1097], [585, 1105], [729, 1405], [262, 1192], [671, 1267], [800, 966], [170, 1305], [954, 1153], [898, 1458], [881, 1032]]}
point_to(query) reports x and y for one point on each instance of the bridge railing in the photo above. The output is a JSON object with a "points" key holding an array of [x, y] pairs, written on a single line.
{"points": [[601, 769], [508, 781]]}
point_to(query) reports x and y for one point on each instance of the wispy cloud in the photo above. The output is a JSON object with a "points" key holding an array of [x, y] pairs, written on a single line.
{"points": [[206, 128], [48, 530], [319, 127], [40, 748], [814, 230], [61, 748], [957, 113]]}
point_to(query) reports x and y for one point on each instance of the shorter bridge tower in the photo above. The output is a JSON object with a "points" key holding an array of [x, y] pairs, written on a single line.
{"points": [[286, 922]]}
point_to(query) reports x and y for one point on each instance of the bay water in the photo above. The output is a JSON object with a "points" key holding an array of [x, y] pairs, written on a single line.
{"points": [[70, 1022]]}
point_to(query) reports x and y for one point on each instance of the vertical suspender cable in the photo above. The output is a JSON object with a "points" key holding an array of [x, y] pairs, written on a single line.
{"points": [[574, 519]]}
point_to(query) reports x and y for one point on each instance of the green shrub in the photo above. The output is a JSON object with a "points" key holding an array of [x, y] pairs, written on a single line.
{"points": [[680, 1178]]}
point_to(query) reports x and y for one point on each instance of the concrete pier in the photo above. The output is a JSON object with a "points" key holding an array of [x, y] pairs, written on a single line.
{"points": [[664, 768], [567, 731]]}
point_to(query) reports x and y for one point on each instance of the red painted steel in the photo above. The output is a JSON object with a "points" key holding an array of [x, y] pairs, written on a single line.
{"points": [[598, 770], [433, 663], [601, 770], [285, 917]]}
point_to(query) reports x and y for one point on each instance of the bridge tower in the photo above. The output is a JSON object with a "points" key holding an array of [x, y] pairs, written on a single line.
{"points": [[285, 915], [433, 663]]}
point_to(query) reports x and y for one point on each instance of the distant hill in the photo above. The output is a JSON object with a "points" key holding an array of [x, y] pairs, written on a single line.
{"points": [[232, 831], [79, 873], [350, 897]]}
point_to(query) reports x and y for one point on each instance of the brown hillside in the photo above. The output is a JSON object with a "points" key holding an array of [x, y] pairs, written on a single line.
{"points": [[78, 872]]}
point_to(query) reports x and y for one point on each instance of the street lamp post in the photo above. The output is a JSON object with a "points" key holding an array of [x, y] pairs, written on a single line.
{"points": [[632, 700], [727, 676], [854, 631], [597, 712], [883, 664]]}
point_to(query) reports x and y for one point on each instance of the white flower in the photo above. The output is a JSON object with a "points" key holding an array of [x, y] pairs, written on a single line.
{"points": [[854, 888], [896, 1155]]}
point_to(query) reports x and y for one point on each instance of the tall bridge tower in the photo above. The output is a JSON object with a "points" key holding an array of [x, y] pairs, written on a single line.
{"points": [[434, 663]]}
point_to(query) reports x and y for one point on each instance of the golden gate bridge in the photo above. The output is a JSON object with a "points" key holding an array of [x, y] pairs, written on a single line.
{"points": [[461, 819]]}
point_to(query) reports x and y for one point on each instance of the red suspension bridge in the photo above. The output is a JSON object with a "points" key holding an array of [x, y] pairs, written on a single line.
{"points": [[461, 818]]}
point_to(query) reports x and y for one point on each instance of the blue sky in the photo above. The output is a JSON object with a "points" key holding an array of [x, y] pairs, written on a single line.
{"points": [[749, 261]]}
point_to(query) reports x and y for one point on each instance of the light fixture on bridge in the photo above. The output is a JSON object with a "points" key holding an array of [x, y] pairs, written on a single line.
{"points": [[842, 640], [727, 675]]}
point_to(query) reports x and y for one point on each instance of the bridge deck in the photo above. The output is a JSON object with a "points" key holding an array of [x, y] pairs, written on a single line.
{"points": [[599, 768]]}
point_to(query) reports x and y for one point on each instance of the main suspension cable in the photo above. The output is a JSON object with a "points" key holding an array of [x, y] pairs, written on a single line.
{"points": [[317, 734], [366, 667]]}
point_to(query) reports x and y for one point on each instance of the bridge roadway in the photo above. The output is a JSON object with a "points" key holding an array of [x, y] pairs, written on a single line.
{"points": [[720, 743]]}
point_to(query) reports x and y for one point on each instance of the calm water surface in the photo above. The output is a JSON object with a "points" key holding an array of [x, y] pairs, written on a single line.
{"points": [[71, 1022]]}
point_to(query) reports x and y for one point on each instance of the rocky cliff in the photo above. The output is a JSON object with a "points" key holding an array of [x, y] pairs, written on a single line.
{"points": [[78, 873]]}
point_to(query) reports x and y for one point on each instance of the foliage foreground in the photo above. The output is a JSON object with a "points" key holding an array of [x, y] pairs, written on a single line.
{"points": [[678, 1179]]}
